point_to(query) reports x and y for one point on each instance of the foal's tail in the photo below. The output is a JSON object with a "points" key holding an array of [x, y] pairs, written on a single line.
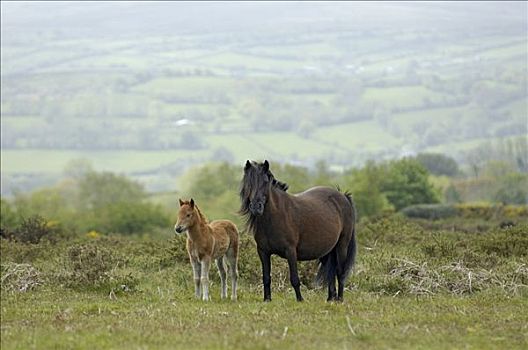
{"points": [[328, 263]]}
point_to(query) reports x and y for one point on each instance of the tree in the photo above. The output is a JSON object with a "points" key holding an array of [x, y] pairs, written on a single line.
{"points": [[512, 189], [406, 183], [9, 218], [211, 180], [365, 185], [102, 189], [438, 164]]}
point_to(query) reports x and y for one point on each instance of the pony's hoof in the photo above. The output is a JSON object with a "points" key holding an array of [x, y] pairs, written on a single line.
{"points": [[267, 300], [300, 299]]}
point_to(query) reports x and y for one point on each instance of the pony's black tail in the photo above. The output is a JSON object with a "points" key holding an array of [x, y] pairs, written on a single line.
{"points": [[327, 269], [352, 247], [328, 263]]}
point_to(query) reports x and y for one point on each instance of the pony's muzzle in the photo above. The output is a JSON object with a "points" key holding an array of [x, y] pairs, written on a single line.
{"points": [[179, 229], [256, 208]]}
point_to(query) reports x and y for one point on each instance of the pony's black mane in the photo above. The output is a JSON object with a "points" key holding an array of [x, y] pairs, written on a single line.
{"points": [[278, 184], [251, 180]]}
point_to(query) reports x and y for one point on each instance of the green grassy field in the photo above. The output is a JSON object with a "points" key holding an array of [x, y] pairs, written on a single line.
{"points": [[166, 318], [413, 287]]}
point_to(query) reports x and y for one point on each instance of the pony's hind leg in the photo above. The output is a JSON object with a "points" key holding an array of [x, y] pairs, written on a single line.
{"points": [[331, 276], [197, 273], [232, 260], [222, 272], [345, 251]]}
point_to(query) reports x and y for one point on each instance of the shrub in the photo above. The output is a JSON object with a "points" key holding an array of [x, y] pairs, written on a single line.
{"points": [[33, 229], [487, 211], [95, 267], [429, 211], [125, 218], [511, 241]]}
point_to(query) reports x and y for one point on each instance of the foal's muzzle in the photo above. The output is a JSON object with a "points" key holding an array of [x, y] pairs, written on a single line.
{"points": [[179, 229]]}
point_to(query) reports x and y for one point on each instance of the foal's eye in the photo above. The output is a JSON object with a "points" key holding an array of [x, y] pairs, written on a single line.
{"points": [[188, 215]]}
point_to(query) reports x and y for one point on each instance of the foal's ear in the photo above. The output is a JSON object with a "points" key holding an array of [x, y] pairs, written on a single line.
{"points": [[265, 165], [248, 165], [192, 203], [181, 202]]}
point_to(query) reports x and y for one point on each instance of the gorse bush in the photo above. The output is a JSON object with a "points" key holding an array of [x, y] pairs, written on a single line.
{"points": [[482, 211], [93, 266], [34, 229]]}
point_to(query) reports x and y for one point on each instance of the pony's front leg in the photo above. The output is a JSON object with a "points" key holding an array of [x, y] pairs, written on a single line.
{"points": [[197, 267], [265, 260], [205, 264], [294, 276]]}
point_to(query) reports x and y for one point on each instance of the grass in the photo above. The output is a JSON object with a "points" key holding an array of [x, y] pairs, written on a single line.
{"points": [[364, 136], [402, 97], [54, 161], [230, 59], [381, 309], [162, 319], [185, 85]]}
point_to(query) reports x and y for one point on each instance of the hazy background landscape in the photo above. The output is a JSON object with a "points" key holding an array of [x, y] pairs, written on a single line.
{"points": [[151, 89], [111, 111]]}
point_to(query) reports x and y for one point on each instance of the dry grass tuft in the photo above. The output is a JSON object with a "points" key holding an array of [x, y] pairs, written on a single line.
{"points": [[457, 279], [19, 277]]}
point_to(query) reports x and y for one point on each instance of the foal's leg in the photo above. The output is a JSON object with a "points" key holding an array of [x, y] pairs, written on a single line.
{"points": [[294, 276], [265, 260], [205, 265], [197, 272], [222, 272], [233, 271]]}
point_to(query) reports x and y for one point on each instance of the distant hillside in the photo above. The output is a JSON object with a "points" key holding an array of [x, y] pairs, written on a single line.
{"points": [[151, 89]]}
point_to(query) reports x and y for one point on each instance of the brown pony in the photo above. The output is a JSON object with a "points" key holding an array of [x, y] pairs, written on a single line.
{"points": [[207, 241], [318, 223]]}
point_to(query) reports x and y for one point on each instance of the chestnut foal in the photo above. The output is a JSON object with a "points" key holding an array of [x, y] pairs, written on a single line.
{"points": [[207, 241]]}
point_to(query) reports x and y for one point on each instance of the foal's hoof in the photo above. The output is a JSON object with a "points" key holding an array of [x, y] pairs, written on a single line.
{"points": [[267, 300], [300, 299]]}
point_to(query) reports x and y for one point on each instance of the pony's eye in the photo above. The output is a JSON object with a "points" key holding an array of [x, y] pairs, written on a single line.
{"points": [[188, 215]]}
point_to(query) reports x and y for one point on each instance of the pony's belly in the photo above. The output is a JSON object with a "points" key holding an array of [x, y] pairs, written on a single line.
{"points": [[312, 255]]}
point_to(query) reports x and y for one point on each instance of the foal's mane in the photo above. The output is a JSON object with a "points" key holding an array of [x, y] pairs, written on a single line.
{"points": [[201, 216]]}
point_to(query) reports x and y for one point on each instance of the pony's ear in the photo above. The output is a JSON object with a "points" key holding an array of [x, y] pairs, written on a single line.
{"points": [[248, 165], [192, 203], [265, 165], [181, 202]]}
